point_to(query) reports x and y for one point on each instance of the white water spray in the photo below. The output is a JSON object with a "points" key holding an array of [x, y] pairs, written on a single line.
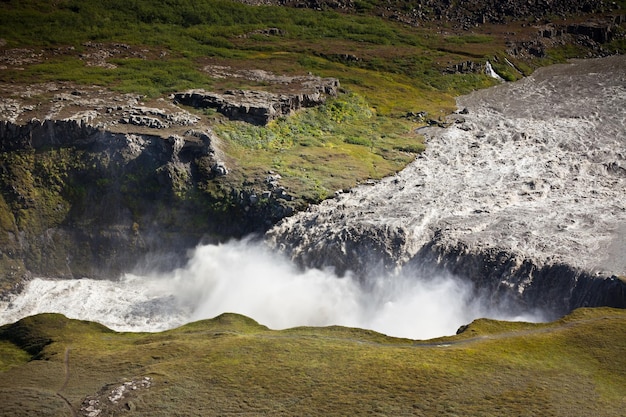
{"points": [[491, 72], [247, 278]]}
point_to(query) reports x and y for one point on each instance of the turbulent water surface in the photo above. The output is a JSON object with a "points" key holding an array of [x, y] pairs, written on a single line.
{"points": [[536, 168], [247, 278]]}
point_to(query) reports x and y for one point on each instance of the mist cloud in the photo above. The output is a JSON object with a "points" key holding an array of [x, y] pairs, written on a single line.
{"points": [[247, 278]]}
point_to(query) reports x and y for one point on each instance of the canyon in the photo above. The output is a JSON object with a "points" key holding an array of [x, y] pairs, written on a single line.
{"points": [[516, 210]]}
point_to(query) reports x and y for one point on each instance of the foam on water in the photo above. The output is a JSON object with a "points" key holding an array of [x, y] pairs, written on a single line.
{"points": [[536, 169]]}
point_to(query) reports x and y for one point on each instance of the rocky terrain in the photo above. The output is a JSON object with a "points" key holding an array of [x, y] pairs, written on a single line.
{"points": [[515, 211], [544, 24], [458, 13], [261, 107]]}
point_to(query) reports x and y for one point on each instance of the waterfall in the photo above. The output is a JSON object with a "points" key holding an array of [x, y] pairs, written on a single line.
{"points": [[491, 72], [515, 212]]}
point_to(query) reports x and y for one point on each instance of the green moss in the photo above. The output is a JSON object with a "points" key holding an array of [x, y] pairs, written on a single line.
{"points": [[319, 151]]}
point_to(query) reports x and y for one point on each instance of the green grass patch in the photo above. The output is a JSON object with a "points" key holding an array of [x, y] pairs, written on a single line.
{"points": [[574, 366], [473, 38], [11, 356], [318, 151]]}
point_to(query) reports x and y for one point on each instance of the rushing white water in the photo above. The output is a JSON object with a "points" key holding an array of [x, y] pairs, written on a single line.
{"points": [[536, 169], [247, 278], [491, 72]]}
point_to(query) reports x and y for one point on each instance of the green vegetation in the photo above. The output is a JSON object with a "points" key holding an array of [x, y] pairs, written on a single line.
{"points": [[319, 151], [231, 364], [387, 70], [400, 62]]}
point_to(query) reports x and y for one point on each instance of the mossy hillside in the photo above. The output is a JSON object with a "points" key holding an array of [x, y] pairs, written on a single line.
{"points": [[232, 364], [320, 151]]}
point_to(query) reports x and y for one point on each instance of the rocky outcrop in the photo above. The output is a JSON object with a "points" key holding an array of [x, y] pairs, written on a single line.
{"points": [[465, 68], [83, 201], [259, 107], [91, 181], [601, 32], [518, 285]]}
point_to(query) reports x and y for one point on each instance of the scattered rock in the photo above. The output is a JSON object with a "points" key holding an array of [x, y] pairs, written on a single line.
{"points": [[115, 398], [265, 32]]}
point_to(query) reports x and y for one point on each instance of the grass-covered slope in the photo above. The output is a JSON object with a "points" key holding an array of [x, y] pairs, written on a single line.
{"points": [[232, 365], [396, 67]]}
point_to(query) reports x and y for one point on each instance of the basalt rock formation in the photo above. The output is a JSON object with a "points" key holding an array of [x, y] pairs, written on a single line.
{"points": [[101, 181], [81, 201]]}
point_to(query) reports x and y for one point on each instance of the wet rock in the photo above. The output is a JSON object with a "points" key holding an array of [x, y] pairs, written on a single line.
{"points": [[219, 170], [98, 211]]}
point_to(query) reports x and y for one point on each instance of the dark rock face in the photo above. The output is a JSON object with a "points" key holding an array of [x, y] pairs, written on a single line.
{"points": [[94, 193], [596, 31], [81, 201], [259, 107], [519, 284]]}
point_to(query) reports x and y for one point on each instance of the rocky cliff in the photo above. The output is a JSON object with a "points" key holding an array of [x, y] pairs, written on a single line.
{"points": [[92, 181], [261, 107], [80, 200]]}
